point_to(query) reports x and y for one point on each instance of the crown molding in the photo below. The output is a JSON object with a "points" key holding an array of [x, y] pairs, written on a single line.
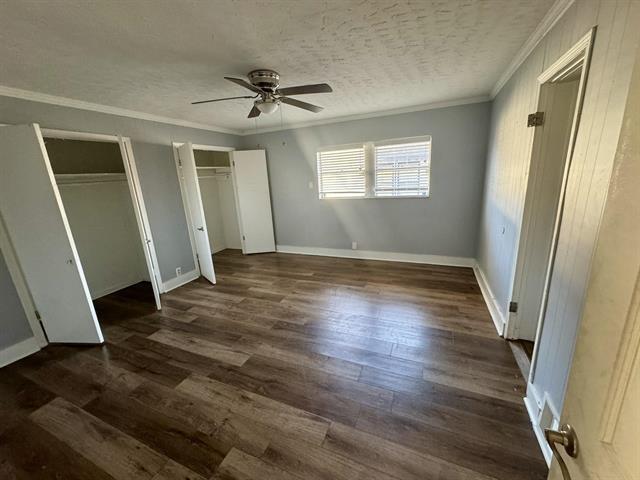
{"points": [[96, 107], [554, 14], [363, 116]]}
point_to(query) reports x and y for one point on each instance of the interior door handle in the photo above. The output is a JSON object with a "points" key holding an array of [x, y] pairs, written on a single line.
{"points": [[566, 437], [201, 229]]}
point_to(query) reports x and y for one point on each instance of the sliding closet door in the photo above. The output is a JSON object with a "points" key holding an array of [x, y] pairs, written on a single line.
{"points": [[196, 211], [251, 184], [39, 231], [141, 217]]}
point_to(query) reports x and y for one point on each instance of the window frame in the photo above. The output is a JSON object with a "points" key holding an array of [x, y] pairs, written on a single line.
{"points": [[370, 167]]}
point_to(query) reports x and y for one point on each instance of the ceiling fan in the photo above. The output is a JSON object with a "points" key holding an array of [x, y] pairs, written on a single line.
{"points": [[268, 96]]}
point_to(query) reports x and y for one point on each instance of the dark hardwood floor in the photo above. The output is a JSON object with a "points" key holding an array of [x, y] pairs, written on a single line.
{"points": [[291, 367]]}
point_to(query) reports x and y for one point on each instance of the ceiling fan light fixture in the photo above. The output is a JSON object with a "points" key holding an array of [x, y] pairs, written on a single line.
{"points": [[268, 105]]}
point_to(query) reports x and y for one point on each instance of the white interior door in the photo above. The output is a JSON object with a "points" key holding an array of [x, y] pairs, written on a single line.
{"points": [[603, 396], [251, 184], [141, 217], [196, 211], [39, 232]]}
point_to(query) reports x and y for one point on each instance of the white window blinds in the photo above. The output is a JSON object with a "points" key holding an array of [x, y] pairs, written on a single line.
{"points": [[387, 169], [402, 169], [341, 173]]}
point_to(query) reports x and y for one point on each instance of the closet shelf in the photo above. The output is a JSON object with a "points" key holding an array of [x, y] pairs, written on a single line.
{"points": [[78, 178]]}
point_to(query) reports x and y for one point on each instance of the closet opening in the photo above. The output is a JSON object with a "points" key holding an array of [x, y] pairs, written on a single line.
{"points": [[103, 209], [227, 201], [218, 199]]}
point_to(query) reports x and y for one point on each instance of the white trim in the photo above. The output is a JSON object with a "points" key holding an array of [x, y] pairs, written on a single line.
{"points": [[554, 14], [497, 316], [363, 116], [83, 136], [96, 107], [376, 255], [19, 350], [180, 280], [580, 50], [206, 148]]}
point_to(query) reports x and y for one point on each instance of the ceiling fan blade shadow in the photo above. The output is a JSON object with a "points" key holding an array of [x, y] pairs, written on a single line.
{"points": [[220, 99], [254, 112], [305, 89], [300, 104], [244, 83]]}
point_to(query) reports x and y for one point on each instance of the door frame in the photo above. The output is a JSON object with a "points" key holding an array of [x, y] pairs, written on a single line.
{"points": [[176, 159], [541, 410], [135, 190], [581, 49]]}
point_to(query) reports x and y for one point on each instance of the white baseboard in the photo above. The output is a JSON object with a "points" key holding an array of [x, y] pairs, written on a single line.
{"points": [[375, 255], [179, 281], [19, 350], [489, 298]]}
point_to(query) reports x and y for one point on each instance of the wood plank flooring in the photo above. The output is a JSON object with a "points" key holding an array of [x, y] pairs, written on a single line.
{"points": [[291, 367]]}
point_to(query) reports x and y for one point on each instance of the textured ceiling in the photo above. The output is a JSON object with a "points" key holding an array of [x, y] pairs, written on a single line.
{"points": [[156, 56]]}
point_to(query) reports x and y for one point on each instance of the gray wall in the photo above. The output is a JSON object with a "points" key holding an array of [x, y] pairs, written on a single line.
{"points": [[14, 326], [446, 223], [154, 156], [161, 192]]}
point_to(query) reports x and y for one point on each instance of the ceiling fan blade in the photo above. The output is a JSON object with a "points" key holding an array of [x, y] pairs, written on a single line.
{"points": [[299, 104], [304, 89], [220, 99], [254, 112], [244, 83]]}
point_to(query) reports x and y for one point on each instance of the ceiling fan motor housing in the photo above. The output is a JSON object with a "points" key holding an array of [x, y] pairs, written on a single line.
{"points": [[264, 79]]}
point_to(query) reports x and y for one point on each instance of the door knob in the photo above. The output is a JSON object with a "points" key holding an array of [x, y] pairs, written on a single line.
{"points": [[201, 229], [566, 437]]}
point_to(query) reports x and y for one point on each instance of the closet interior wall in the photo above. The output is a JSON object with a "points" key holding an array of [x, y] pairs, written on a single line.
{"points": [[93, 185], [218, 199]]}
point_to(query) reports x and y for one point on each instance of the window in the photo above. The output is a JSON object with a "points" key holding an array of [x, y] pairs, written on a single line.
{"points": [[341, 173], [387, 169], [402, 169]]}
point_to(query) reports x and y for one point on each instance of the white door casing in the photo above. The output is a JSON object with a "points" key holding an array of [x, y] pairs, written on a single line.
{"points": [[253, 201], [41, 237], [196, 211]]}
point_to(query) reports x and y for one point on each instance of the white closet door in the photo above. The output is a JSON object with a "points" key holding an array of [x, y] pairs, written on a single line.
{"points": [[141, 217], [196, 211], [251, 184], [39, 231]]}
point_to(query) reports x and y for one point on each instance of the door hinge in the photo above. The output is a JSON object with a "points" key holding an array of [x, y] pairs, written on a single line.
{"points": [[513, 307], [233, 162], [243, 237], [38, 315], [535, 119]]}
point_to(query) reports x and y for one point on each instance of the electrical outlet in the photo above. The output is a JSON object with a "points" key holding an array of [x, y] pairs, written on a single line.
{"points": [[354, 245], [178, 271]]}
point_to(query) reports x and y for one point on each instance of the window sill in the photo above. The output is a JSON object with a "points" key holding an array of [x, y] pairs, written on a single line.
{"points": [[406, 197]]}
